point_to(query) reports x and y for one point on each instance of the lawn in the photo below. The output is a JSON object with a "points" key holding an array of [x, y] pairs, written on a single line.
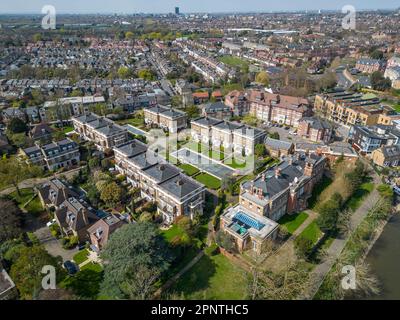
{"points": [[235, 164], [136, 122], [292, 222], [317, 190], [67, 129], [92, 266], [312, 232], [81, 256], [25, 195], [189, 170], [356, 199], [171, 233], [209, 181], [213, 277], [35, 206], [234, 61]]}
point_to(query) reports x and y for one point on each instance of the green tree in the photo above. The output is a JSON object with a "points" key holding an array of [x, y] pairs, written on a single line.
{"points": [[129, 35], [260, 150], [262, 78], [304, 246], [111, 194], [26, 270], [329, 213], [134, 258], [274, 135], [124, 72], [37, 37], [12, 172], [16, 125], [10, 220], [146, 74]]}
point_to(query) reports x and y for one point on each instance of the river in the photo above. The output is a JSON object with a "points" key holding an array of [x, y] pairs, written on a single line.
{"points": [[384, 259]]}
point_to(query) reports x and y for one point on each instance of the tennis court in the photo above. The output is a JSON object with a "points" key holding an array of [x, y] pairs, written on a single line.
{"points": [[203, 163]]}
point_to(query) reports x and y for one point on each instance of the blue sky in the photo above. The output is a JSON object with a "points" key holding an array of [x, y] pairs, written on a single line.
{"points": [[165, 6]]}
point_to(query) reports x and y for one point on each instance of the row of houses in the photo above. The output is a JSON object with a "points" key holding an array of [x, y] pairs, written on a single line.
{"points": [[234, 136], [164, 184]]}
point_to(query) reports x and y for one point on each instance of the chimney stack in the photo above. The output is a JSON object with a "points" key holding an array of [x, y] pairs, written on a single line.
{"points": [[277, 173]]}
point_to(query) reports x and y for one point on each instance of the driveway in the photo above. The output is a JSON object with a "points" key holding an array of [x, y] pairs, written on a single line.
{"points": [[53, 245]]}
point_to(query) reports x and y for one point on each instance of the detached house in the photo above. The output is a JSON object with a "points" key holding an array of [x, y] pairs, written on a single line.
{"points": [[54, 192]]}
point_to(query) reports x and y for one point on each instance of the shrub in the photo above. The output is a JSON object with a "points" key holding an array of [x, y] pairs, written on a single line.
{"points": [[304, 246]]}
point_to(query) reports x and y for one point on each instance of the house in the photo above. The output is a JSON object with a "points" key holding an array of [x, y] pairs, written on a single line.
{"points": [[237, 101], [216, 110], [74, 218], [54, 192], [315, 129], [100, 231], [284, 188], [102, 131], [249, 231], [367, 139], [277, 148], [8, 291], [5, 147], [11, 113], [200, 97], [54, 155], [369, 66], [386, 156], [41, 131], [166, 118], [331, 152]]}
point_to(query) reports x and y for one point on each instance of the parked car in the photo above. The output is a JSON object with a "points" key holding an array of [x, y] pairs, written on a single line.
{"points": [[71, 267], [50, 223]]}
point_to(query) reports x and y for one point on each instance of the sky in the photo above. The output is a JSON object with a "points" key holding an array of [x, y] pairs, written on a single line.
{"points": [[166, 6]]}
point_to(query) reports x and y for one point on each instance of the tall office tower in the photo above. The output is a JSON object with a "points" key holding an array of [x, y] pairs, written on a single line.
{"points": [[177, 10]]}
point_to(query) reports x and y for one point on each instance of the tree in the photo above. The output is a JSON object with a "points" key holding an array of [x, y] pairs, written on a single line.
{"points": [[111, 194], [10, 220], [329, 213], [274, 135], [260, 150], [262, 78], [16, 125], [129, 35], [146, 74], [377, 54], [20, 140], [124, 72], [192, 112], [94, 163], [12, 172], [26, 270], [385, 191], [37, 37], [379, 82], [134, 257], [304, 246]]}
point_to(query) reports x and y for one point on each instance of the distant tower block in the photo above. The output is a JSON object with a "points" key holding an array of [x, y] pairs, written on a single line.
{"points": [[177, 10]]}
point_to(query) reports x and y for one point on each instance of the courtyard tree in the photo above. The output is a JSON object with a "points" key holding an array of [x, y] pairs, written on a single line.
{"points": [[10, 220], [262, 78], [134, 258], [111, 194]]}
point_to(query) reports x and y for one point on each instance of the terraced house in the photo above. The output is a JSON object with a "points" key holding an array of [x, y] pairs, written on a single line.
{"points": [[166, 118], [53, 156], [174, 193], [102, 131], [349, 108], [282, 189]]}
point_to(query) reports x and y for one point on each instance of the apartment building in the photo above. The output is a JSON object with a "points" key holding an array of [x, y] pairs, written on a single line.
{"points": [[174, 193], [315, 129], [282, 189], [53, 156], [349, 108], [269, 107], [166, 118], [216, 110], [278, 148], [386, 156], [369, 66], [368, 139], [201, 129], [102, 131]]}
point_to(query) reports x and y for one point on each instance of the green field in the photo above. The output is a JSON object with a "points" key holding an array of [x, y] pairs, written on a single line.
{"points": [[292, 222], [234, 61], [189, 169], [209, 181], [312, 232], [213, 277]]}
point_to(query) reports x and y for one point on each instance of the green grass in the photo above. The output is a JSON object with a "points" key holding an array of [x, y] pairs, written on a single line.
{"points": [[67, 129], [312, 232], [35, 206], [236, 164], [292, 222], [81, 256], [356, 199], [171, 233], [209, 181], [213, 277], [189, 169], [25, 195], [136, 122], [93, 267], [234, 61]]}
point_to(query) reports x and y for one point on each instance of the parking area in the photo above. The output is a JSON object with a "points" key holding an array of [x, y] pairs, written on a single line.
{"points": [[52, 245]]}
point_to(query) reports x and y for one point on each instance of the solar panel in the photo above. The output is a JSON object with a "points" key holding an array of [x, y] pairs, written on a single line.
{"points": [[244, 218]]}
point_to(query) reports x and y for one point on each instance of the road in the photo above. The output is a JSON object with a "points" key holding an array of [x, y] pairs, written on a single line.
{"points": [[321, 270]]}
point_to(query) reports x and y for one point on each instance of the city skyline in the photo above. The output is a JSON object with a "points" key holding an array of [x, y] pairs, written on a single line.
{"points": [[188, 6]]}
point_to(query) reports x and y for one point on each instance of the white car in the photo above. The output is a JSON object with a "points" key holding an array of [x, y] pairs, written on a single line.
{"points": [[50, 223]]}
